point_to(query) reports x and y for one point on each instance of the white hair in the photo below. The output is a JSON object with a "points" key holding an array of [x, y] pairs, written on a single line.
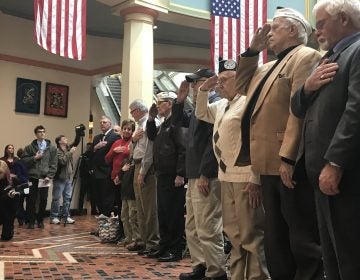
{"points": [[106, 118], [302, 35], [138, 104], [334, 7]]}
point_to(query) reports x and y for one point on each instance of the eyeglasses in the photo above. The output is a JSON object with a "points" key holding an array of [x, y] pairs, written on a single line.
{"points": [[200, 80], [40, 131], [133, 110], [161, 101], [222, 81], [319, 25]]}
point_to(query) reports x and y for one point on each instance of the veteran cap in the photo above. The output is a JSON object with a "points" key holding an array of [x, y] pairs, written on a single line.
{"points": [[227, 65], [166, 95], [201, 73], [291, 13]]}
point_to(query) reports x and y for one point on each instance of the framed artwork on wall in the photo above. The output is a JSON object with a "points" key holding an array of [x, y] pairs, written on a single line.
{"points": [[28, 93], [56, 100]]}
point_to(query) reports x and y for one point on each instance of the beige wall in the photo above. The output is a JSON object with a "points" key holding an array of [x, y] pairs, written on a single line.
{"points": [[17, 128]]}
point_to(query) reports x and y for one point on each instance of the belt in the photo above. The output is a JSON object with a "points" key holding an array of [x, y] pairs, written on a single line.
{"points": [[137, 160]]}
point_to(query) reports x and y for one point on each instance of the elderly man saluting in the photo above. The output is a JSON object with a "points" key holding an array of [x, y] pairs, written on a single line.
{"points": [[271, 136], [242, 221]]}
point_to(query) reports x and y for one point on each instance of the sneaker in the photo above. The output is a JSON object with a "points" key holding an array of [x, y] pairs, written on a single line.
{"points": [[55, 221], [69, 220]]}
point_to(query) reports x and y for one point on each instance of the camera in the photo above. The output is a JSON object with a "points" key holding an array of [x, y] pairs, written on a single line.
{"points": [[80, 130], [22, 189]]}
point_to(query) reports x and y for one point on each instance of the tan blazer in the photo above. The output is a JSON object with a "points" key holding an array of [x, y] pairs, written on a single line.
{"points": [[274, 131]]}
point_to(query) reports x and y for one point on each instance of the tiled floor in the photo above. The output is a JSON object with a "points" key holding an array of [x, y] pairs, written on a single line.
{"points": [[70, 252]]}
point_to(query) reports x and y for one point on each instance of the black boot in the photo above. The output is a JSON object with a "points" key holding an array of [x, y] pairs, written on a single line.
{"points": [[197, 273]]}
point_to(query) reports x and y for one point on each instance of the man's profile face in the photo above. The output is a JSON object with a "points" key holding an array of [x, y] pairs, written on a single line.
{"points": [[327, 29], [164, 107], [226, 84], [279, 34]]}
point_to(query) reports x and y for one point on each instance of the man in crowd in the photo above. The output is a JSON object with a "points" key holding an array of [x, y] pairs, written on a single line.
{"points": [[101, 171], [144, 182], [203, 196], [62, 181], [85, 182], [243, 215], [40, 157], [270, 140], [329, 154], [169, 162]]}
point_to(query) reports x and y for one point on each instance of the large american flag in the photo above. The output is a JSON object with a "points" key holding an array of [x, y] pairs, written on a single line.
{"points": [[60, 27], [233, 23]]}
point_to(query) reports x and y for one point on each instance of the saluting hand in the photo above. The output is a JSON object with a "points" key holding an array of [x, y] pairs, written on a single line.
{"points": [[183, 91], [153, 111], [210, 83], [260, 38]]}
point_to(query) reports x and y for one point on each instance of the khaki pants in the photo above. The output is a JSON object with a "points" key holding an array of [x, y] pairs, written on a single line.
{"points": [[146, 204], [245, 228], [204, 230], [129, 220]]}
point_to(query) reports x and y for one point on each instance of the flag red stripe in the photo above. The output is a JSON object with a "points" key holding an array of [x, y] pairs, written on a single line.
{"points": [[238, 28], [256, 15], [246, 24], [83, 28], [221, 39], [49, 25], [230, 39], [58, 24], [73, 39], [52, 39], [66, 33], [212, 45]]}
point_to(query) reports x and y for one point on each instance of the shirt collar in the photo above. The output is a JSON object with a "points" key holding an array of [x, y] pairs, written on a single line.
{"points": [[343, 42], [281, 55], [107, 132]]}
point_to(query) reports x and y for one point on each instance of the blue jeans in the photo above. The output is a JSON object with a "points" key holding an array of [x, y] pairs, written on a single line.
{"points": [[64, 188]]}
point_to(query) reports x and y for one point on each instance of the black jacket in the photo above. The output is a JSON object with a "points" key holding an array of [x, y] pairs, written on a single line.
{"points": [[200, 158], [101, 169], [127, 183], [169, 149]]}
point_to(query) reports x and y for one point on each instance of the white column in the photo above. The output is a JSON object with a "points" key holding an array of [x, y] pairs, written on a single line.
{"points": [[138, 57]]}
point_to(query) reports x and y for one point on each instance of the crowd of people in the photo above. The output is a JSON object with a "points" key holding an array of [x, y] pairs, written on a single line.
{"points": [[268, 157]]}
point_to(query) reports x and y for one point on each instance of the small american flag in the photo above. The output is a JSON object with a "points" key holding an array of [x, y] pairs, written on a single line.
{"points": [[233, 23], [60, 27]]}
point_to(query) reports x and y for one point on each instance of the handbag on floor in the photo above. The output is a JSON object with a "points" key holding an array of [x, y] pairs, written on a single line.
{"points": [[108, 228]]}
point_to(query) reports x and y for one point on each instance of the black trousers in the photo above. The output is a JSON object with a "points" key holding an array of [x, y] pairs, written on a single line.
{"points": [[171, 202], [292, 246], [86, 189], [32, 200], [339, 226], [105, 195], [7, 215]]}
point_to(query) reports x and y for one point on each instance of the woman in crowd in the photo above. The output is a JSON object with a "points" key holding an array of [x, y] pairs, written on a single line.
{"points": [[17, 170], [7, 203], [118, 152]]}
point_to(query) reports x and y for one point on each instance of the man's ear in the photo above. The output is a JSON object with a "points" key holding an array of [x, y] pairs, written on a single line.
{"points": [[345, 19]]}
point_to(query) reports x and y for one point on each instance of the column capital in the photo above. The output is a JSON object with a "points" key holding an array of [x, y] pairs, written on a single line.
{"points": [[129, 11]]}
